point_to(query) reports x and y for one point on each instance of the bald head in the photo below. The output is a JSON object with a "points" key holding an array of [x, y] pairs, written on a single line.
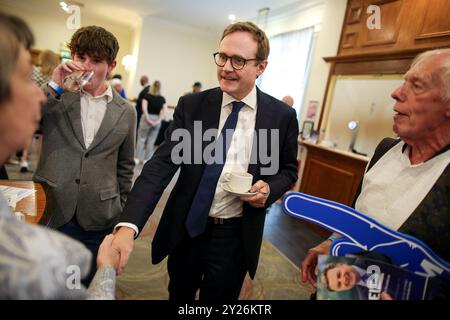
{"points": [[288, 100]]}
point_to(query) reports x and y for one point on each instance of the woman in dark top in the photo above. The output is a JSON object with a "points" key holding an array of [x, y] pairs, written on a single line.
{"points": [[153, 107], [3, 174]]}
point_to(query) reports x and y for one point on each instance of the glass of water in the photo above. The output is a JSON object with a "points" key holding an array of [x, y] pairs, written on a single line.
{"points": [[77, 80]]}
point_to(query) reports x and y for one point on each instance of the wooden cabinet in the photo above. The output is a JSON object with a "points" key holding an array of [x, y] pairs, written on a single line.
{"points": [[331, 174], [404, 25]]}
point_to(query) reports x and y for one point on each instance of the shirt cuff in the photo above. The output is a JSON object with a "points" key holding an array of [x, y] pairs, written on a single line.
{"points": [[129, 225]]}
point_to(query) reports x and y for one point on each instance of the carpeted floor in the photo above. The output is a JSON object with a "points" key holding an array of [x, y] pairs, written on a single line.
{"points": [[277, 278]]}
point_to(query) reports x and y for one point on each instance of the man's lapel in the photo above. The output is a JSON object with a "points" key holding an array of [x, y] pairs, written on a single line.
{"points": [[114, 110], [263, 121], [210, 112], [71, 101]]}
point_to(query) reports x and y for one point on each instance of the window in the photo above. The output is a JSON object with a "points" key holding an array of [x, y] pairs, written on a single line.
{"points": [[286, 73]]}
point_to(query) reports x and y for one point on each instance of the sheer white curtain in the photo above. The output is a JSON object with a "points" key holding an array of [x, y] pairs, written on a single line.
{"points": [[286, 73]]}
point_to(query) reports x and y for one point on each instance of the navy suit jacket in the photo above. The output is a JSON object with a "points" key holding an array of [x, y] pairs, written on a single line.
{"points": [[158, 172]]}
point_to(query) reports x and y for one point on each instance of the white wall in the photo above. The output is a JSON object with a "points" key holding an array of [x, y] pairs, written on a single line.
{"points": [[366, 99], [303, 17], [49, 29], [177, 56], [326, 45], [326, 17]]}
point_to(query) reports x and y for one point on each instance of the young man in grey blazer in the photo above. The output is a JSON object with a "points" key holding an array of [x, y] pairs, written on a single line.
{"points": [[86, 164]]}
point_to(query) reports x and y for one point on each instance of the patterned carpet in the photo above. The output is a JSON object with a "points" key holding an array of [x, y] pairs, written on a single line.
{"points": [[277, 278]]}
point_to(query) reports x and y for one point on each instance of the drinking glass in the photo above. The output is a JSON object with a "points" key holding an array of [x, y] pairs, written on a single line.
{"points": [[77, 80]]}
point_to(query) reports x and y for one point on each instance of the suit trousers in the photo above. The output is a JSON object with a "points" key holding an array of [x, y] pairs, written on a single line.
{"points": [[213, 262], [91, 239]]}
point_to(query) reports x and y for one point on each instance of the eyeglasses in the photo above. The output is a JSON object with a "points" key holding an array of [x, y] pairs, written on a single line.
{"points": [[236, 62]]}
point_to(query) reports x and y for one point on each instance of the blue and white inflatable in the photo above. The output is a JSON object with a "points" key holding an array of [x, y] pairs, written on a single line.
{"points": [[362, 233]]}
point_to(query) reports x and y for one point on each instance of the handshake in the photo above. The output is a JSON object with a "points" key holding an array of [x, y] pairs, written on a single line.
{"points": [[115, 250]]}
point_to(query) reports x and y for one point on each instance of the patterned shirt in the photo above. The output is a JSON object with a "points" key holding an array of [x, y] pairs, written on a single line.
{"points": [[39, 263], [38, 77]]}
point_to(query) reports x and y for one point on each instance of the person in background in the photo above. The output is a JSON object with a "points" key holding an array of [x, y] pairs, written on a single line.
{"points": [[3, 173], [36, 262], [116, 84], [417, 162], [288, 100], [42, 73], [122, 90], [196, 88], [153, 109], [145, 89], [48, 61], [87, 159]]}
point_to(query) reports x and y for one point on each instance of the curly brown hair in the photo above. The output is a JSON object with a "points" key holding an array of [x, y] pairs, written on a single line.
{"points": [[258, 34], [96, 42]]}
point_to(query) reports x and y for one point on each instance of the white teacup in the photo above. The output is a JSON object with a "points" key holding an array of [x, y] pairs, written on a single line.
{"points": [[240, 182]]}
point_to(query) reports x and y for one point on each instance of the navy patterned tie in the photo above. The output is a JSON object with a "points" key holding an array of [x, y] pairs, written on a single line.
{"points": [[201, 205]]}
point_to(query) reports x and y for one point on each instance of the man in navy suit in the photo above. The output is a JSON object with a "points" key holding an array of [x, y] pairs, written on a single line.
{"points": [[213, 237]]}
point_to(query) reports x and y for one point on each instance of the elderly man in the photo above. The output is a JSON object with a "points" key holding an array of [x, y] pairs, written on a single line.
{"points": [[288, 100], [407, 182], [213, 237]]}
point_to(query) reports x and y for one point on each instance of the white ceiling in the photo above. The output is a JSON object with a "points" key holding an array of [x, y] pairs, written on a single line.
{"points": [[209, 15]]}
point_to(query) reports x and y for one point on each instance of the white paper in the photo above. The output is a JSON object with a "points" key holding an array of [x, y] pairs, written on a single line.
{"points": [[14, 195]]}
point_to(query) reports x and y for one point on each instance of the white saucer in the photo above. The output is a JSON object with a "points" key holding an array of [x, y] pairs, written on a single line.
{"points": [[239, 194]]}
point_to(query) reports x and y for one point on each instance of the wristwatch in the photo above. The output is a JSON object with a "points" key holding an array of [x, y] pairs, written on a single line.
{"points": [[56, 87]]}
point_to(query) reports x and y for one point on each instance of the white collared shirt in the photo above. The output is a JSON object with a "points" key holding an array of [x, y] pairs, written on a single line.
{"points": [[93, 111], [393, 188], [224, 204]]}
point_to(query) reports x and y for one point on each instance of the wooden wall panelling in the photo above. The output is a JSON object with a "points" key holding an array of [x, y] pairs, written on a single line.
{"points": [[435, 21], [355, 11], [390, 23], [338, 184], [330, 175], [405, 25]]}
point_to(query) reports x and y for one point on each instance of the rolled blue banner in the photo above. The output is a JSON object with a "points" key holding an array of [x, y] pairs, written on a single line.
{"points": [[362, 233]]}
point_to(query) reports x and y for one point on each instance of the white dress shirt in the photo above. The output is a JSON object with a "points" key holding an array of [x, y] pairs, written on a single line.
{"points": [[226, 205], [393, 188], [93, 111]]}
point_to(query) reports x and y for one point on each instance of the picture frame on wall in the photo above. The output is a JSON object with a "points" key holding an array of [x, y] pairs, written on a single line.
{"points": [[307, 129]]}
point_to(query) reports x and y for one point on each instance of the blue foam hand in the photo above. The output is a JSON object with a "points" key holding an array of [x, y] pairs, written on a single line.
{"points": [[362, 233]]}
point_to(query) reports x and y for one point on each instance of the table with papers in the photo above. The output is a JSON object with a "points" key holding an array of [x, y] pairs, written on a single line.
{"points": [[24, 197]]}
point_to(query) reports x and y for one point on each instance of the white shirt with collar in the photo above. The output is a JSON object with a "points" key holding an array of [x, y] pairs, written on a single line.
{"points": [[226, 205], [93, 111], [393, 188]]}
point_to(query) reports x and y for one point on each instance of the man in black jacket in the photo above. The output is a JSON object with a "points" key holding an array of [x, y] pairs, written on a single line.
{"points": [[145, 89], [213, 237]]}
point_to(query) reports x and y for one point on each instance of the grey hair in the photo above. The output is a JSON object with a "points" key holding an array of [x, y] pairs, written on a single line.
{"points": [[443, 71]]}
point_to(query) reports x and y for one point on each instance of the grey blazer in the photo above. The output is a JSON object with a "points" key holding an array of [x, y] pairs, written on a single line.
{"points": [[91, 182]]}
